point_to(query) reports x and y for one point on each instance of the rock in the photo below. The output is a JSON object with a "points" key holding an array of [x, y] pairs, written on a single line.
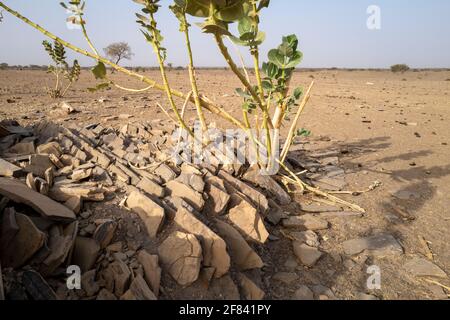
{"points": [[214, 248], [165, 172], [105, 233], [303, 294], [217, 201], [119, 174], [39, 164], [241, 253], [378, 245], [254, 196], [21, 239], [339, 214], [150, 212], [139, 291], [81, 174], [318, 208], [193, 180], [248, 222], [89, 191], [181, 256], [423, 268], [121, 276], [255, 176], [365, 297], [179, 189], [85, 253], [37, 287], [305, 222], [88, 283], [22, 148], [224, 288], [60, 245], [151, 187], [152, 271], [74, 204], [67, 108], [249, 289], [286, 277], [323, 293], [308, 237], [20, 193], [106, 295], [50, 148], [9, 170], [307, 255]]}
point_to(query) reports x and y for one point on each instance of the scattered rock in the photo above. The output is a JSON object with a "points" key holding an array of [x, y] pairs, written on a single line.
{"points": [[308, 237], [249, 289], [85, 253], [88, 283], [179, 189], [138, 290], [286, 277], [9, 170], [378, 245], [150, 212], [121, 276], [241, 253], [306, 222], [151, 187], [37, 287], [218, 199], [247, 221], [20, 193], [152, 271], [214, 248], [105, 233], [303, 294], [318, 208], [181, 256], [423, 268], [365, 297], [106, 295], [307, 255]]}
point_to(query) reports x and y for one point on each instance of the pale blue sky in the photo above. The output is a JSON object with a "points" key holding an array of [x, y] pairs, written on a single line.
{"points": [[332, 33]]}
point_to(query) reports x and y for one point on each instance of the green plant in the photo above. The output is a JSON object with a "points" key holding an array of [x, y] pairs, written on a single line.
{"points": [[396, 68], [61, 69], [270, 99]]}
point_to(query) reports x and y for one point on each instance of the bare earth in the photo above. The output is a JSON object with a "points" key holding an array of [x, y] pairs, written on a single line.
{"points": [[388, 128]]}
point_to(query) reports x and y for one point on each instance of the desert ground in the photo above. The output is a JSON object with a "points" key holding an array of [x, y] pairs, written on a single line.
{"points": [[384, 127]]}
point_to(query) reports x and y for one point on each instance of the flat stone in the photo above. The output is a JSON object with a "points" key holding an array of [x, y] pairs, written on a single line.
{"points": [[193, 180], [181, 256], [104, 233], [361, 296], [9, 170], [22, 148], [286, 277], [423, 268], [306, 222], [378, 245], [323, 293], [179, 189], [149, 211], [248, 222], [151, 187], [139, 291], [121, 276], [255, 176], [249, 289], [20, 193], [318, 208], [37, 287], [74, 204], [88, 283], [50, 148], [255, 197], [339, 215], [303, 293], [24, 241], [307, 237], [214, 248], [242, 255], [39, 164], [106, 295], [165, 172], [85, 253], [307, 255], [218, 199], [152, 271]]}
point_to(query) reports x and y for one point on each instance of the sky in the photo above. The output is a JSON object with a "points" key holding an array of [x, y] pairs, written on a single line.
{"points": [[331, 33]]}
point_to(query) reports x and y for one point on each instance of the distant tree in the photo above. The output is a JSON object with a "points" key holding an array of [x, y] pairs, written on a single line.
{"points": [[3, 66], [396, 68], [119, 51]]}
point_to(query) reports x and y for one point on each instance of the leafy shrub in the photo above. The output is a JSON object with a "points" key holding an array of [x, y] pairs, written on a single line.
{"points": [[399, 68]]}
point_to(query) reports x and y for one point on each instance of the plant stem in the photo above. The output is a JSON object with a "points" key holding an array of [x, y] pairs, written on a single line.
{"points": [[193, 80], [290, 136], [206, 103], [165, 79]]}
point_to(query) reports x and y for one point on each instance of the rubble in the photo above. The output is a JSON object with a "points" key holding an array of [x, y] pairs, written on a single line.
{"points": [[181, 256], [378, 245], [250, 290]]}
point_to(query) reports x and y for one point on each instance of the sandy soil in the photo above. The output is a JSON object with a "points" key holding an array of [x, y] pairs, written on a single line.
{"points": [[393, 129]]}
